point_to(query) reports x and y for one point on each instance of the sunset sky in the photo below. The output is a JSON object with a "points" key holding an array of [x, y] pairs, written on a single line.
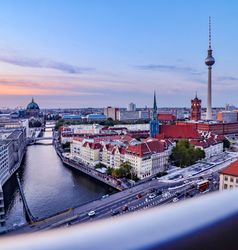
{"points": [[81, 53]]}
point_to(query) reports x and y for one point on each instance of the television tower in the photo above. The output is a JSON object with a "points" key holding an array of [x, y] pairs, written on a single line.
{"points": [[209, 61]]}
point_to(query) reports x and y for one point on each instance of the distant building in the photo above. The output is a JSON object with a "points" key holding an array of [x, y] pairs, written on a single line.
{"points": [[110, 112], [196, 109], [134, 127], [131, 107], [154, 124], [32, 109], [229, 176], [229, 107], [124, 115], [227, 116], [144, 114], [72, 117], [96, 117]]}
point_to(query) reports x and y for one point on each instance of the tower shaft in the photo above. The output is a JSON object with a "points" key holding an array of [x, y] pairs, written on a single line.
{"points": [[209, 94]]}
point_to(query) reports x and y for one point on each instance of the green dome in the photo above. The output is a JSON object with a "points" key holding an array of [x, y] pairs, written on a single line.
{"points": [[32, 105]]}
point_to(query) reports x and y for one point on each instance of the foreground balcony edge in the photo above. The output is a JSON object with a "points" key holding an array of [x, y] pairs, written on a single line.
{"points": [[207, 222]]}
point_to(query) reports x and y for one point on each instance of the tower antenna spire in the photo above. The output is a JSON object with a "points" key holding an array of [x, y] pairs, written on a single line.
{"points": [[210, 33]]}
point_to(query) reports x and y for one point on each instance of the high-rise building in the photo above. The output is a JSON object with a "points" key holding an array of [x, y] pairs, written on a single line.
{"points": [[154, 124], [110, 112], [196, 109], [209, 61], [131, 107]]}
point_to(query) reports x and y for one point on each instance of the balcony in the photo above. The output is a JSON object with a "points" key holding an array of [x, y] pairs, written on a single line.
{"points": [[208, 222]]}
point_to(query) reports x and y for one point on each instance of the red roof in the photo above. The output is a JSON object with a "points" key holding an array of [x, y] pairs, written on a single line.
{"points": [[79, 139], [146, 148], [203, 144], [166, 117], [179, 131], [92, 145], [112, 148], [231, 169]]}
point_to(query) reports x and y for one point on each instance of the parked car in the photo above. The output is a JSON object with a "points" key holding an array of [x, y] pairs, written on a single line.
{"points": [[138, 196], [105, 196], [125, 208], [175, 199], [152, 196], [115, 212], [91, 213]]}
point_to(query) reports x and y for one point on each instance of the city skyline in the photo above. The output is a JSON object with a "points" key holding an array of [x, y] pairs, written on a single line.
{"points": [[117, 53]]}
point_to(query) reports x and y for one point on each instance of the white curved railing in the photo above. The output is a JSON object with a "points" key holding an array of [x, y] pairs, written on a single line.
{"points": [[207, 222]]}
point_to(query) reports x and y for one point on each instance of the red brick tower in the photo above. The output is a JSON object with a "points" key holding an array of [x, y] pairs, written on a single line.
{"points": [[196, 109]]}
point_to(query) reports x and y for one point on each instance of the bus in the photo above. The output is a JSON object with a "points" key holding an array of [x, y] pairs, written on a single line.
{"points": [[203, 185]]}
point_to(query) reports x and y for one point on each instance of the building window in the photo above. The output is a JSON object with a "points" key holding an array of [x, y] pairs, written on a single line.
{"points": [[225, 186], [226, 178], [231, 179], [236, 180]]}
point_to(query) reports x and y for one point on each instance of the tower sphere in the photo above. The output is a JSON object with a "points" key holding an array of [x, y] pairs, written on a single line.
{"points": [[209, 61]]}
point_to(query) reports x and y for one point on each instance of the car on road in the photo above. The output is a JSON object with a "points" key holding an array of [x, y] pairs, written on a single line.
{"points": [[105, 196], [91, 213], [125, 208], [159, 192], [175, 199], [138, 196], [152, 190], [152, 196], [166, 194], [115, 212]]}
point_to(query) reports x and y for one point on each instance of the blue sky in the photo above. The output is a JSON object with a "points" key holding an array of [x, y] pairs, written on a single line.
{"points": [[99, 53]]}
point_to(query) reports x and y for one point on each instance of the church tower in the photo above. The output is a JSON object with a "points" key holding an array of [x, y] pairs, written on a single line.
{"points": [[154, 123]]}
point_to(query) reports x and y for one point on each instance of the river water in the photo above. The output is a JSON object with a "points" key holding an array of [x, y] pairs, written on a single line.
{"points": [[49, 185]]}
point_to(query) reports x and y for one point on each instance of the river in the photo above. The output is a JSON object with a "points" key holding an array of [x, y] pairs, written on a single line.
{"points": [[49, 185]]}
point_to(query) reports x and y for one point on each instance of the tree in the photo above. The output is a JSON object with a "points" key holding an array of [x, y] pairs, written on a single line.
{"points": [[100, 165], [124, 171], [184, 154], [59, 123], [109, 170], [226, 143]]}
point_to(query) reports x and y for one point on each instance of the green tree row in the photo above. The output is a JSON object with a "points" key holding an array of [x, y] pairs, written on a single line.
{"points": [[124, 171]]}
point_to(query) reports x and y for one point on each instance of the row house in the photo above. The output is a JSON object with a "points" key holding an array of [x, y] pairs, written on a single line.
{"points": [[148, 158], [112, 155], [211, 144], [90, 153], [210, 148], [86, 151]]}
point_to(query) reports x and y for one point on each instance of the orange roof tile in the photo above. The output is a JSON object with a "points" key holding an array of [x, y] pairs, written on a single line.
{"points": [[231, 169]]}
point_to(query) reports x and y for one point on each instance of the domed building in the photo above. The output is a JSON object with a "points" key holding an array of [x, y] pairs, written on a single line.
{"points": [[32, 109]]}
